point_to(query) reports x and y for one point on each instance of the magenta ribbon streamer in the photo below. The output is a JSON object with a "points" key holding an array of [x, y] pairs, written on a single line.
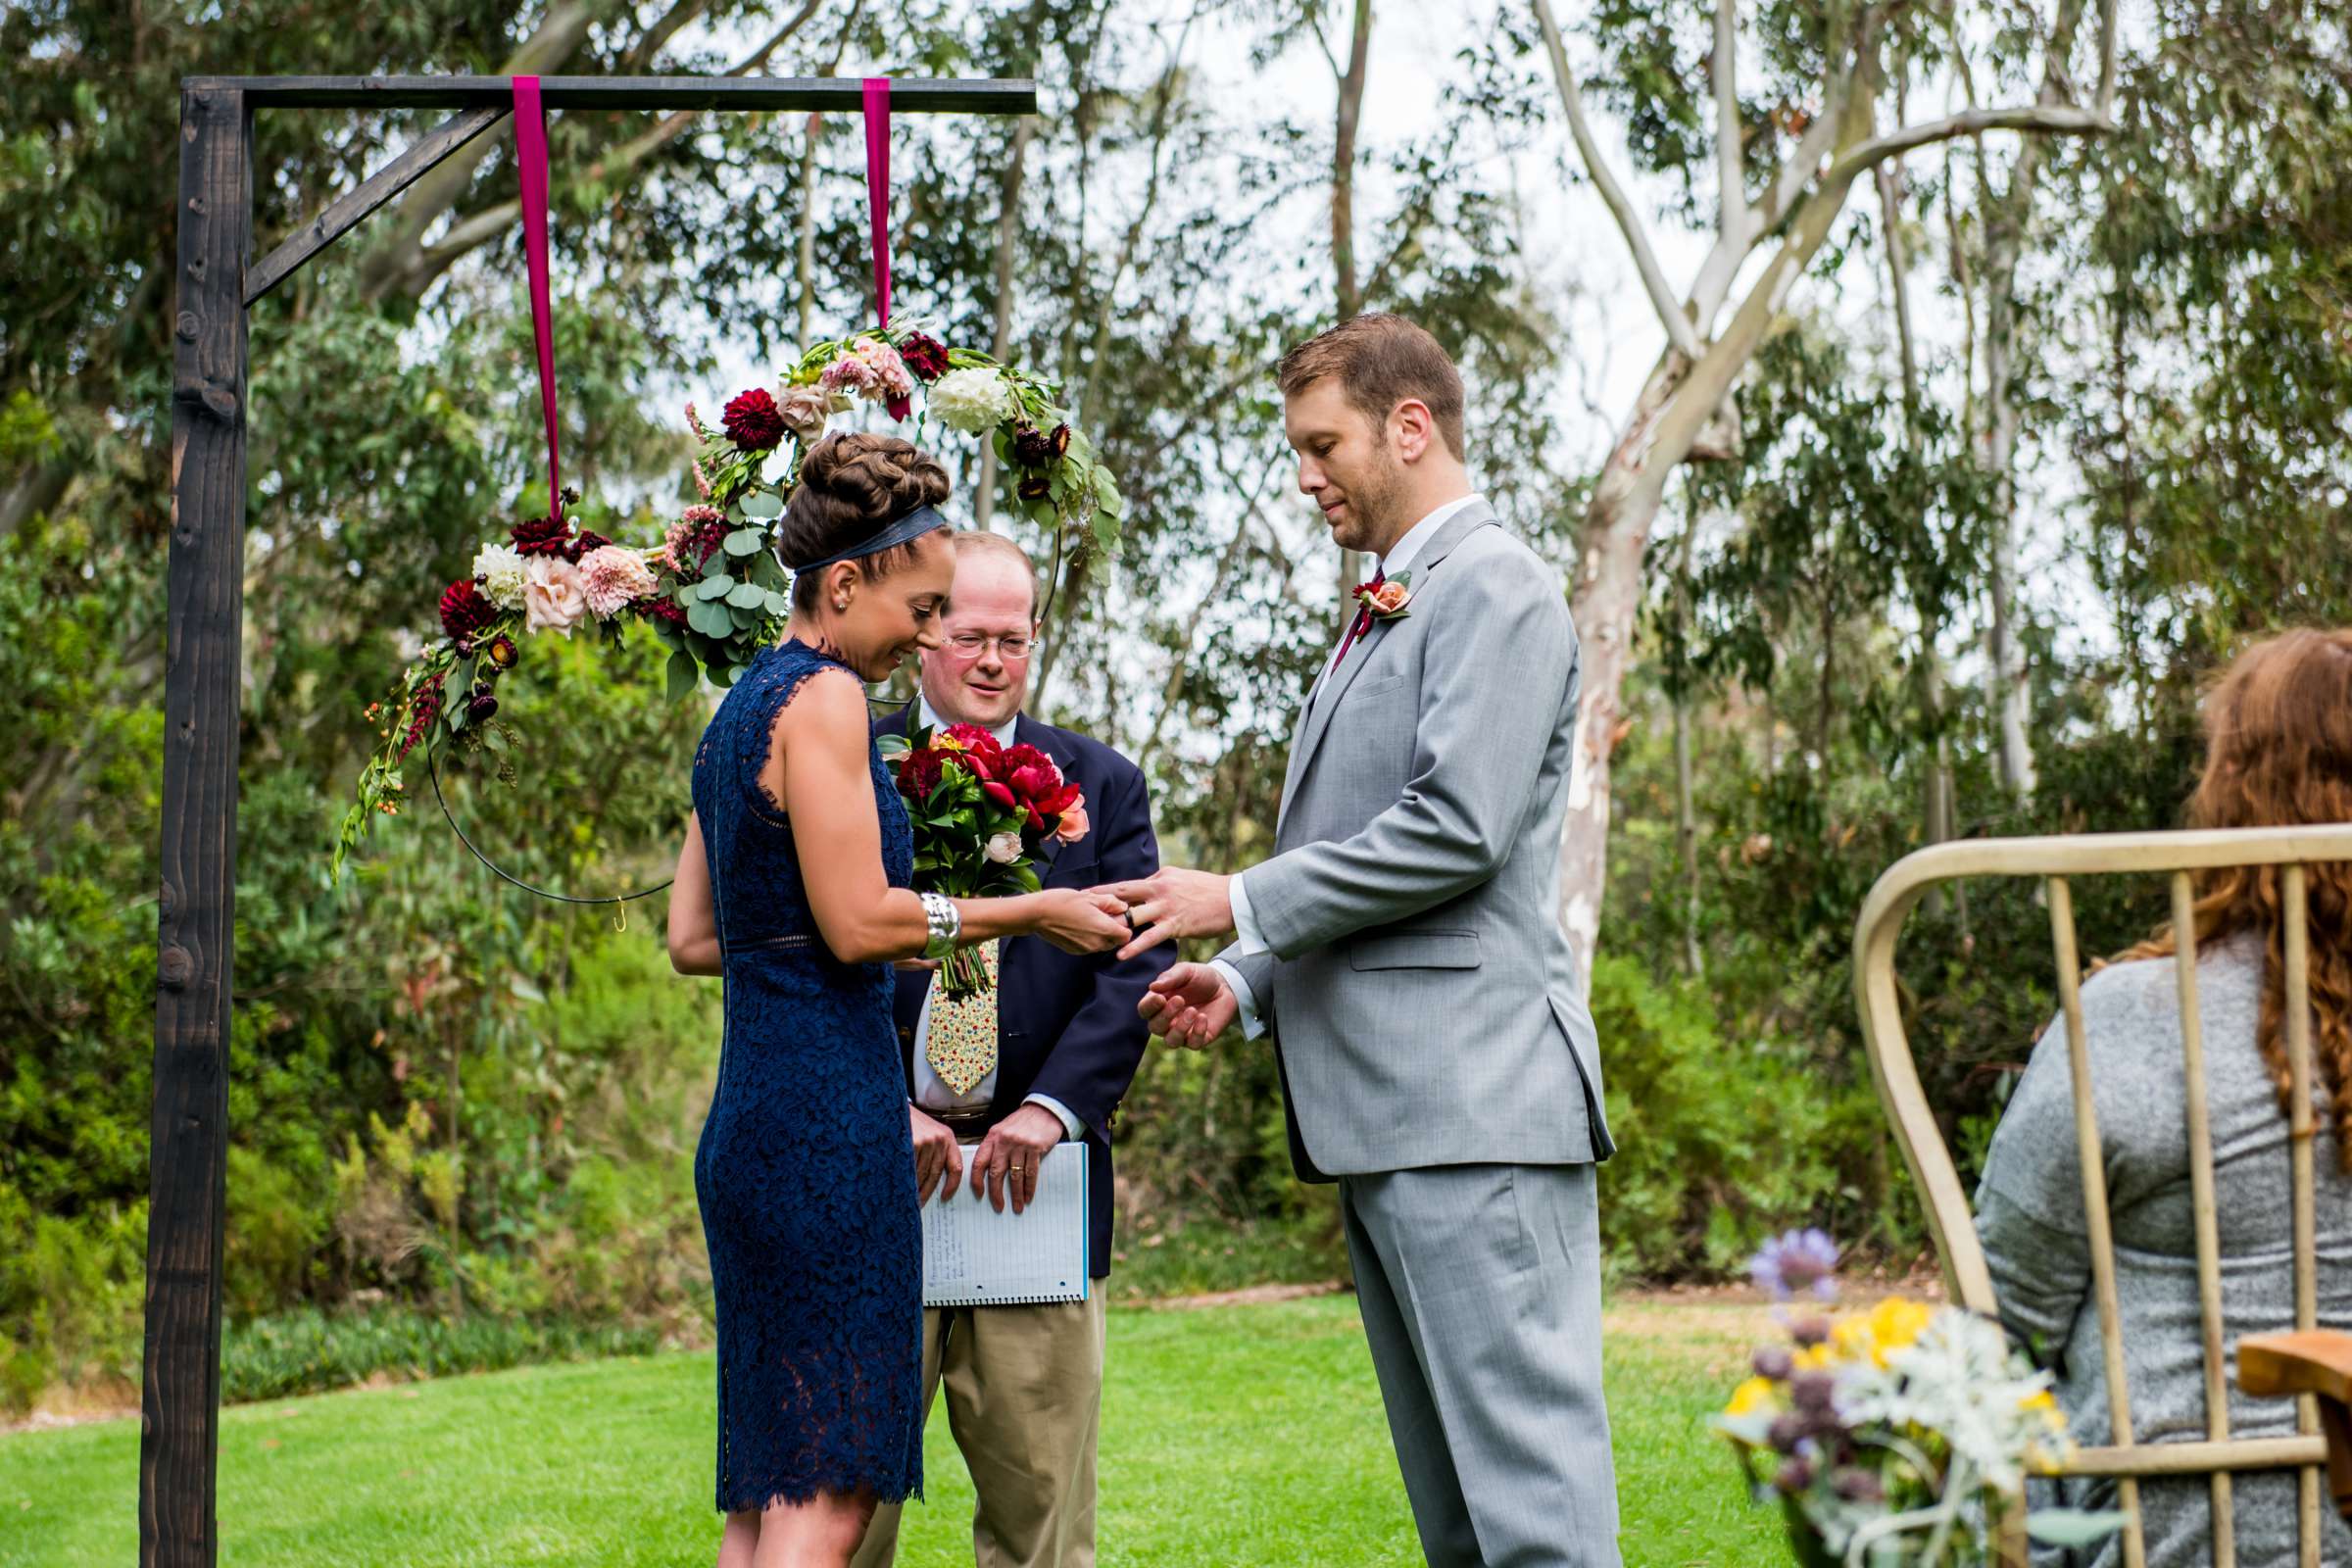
{"points": [[530, 155], [877, 203]]}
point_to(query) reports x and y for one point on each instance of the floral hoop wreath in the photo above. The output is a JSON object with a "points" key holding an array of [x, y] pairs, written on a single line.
{"points": [[712, 590]]}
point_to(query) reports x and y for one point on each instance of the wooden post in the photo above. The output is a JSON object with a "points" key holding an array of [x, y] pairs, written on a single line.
{"points": [[187, 1172]]}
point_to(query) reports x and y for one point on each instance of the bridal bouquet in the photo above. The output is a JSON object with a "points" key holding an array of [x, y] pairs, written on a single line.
{"points": [[981, 811], [1899, 1435]]}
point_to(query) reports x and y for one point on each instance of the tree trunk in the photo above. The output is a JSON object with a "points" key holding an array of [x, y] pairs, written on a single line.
{"points": [[1685, 804], [1343, 164], [1606, 601], [1008, 230]]}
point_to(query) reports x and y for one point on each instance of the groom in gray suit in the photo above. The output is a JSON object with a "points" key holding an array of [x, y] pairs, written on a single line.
{"points": [[1403, 948]]}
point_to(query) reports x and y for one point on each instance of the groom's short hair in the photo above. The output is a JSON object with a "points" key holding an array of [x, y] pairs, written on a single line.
{"points": [[1381, 359]]}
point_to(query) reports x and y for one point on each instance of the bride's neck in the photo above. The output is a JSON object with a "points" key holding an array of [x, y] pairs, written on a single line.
{"points": [[803, 627]]}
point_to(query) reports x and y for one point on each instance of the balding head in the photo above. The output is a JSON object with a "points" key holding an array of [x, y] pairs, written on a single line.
{"points": [[995, 600]]}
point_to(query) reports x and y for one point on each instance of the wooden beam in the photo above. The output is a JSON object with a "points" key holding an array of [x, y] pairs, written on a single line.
{"points": [[187, 1174], [380, 187], [839, 94]]}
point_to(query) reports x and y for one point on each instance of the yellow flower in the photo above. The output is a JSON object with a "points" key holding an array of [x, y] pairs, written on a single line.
{"points": [[1756, 1393], [944, 742], [1813, 1358], [1891, 1325]]}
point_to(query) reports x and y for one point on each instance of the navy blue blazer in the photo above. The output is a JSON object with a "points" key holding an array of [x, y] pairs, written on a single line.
{"points": [[1066, 1025]]}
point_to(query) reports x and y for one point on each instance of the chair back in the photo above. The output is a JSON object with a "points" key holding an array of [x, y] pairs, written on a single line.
{"points": [[1951, 1216]]}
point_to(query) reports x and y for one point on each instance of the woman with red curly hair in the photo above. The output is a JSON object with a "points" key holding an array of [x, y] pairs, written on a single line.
{"points": [[2278, 752]]}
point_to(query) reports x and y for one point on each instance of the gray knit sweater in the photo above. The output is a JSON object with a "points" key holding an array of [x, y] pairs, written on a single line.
{"points": [[2030, 1216]]}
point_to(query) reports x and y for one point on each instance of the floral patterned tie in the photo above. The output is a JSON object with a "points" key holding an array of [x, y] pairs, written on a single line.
{"points": [[962, 1045]]}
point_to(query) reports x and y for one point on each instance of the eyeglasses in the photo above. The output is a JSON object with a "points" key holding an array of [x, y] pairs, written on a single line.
{"points": [[1011, 647]]}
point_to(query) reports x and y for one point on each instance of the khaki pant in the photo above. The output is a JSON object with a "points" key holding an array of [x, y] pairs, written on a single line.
{"points": [[1025, 1401]]}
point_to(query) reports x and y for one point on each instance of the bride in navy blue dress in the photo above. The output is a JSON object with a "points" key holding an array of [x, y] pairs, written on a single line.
{"points": [[793, 883]]}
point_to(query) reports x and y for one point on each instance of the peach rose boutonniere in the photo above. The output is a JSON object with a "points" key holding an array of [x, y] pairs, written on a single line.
{"points": [[1390, 600]]}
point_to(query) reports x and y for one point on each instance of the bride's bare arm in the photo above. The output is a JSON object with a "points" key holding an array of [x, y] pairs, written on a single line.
{"points": [[818, 767], [693, 923]]}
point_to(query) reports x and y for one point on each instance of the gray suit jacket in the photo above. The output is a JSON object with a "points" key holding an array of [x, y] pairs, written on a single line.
{"points": [[1420, 989]]}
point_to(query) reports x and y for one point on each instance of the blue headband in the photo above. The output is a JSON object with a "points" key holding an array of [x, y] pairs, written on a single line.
{"points": [[916, 523]]}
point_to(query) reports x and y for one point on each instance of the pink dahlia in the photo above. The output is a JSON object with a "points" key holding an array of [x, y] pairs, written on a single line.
{"points": [[611, 576]]}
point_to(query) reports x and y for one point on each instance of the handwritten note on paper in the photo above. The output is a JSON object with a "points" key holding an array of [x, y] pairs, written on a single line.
{"points": [[974, 1257]]}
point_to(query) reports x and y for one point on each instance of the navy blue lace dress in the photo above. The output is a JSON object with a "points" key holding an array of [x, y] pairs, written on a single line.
{"points": [[805, 1169]]}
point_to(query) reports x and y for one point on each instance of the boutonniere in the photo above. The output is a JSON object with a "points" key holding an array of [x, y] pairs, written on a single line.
{"points": [[1390, 600]]}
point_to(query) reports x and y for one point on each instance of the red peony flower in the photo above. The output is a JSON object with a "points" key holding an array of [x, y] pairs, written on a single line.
{"points": [[925, 356], [753, 421], [463, 609], [918, 773], [541, 536], [975, 739], [1002, 793], [1026, 756]]}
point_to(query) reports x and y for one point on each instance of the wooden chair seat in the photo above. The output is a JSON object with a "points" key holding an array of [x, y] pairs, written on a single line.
{"points": [[2317, 1361]]}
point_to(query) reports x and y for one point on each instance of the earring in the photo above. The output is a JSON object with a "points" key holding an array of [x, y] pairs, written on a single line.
{"points": [[840, 605]]}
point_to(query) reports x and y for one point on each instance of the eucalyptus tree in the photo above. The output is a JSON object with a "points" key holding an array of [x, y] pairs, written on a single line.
{"points": [[1785, 156]]}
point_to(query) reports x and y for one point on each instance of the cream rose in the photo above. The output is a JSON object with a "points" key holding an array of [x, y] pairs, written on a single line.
{"points": [[807, 409], [1005, 848], [553, 599]]}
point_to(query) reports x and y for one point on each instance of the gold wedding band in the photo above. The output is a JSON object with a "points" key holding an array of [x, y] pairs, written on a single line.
{"points": [[1017, 1167]]}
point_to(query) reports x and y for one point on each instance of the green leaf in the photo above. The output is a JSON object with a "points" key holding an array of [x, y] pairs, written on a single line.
{"points": [[681, 675], [745, 542], [2071, 1527], [717, 587], [748, 596], [493, 738], [760, 504], [711, 620], [722, 676], [1107, 533]]}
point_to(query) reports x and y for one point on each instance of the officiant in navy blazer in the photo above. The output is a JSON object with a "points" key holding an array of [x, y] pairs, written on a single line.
{"points": [[1024, 1382]]}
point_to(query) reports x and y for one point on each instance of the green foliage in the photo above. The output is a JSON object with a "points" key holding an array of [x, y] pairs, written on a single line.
{"points": [[1721, 1140], [310, 1352]]}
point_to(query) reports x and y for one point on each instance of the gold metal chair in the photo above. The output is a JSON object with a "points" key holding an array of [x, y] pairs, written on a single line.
{"points": [[1950, 1216]]}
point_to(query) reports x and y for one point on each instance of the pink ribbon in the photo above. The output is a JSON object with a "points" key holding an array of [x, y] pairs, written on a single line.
{"points": [[877, 204], [530, 157]]}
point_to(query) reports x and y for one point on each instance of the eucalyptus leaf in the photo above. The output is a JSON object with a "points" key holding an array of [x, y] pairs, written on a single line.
{"points": [[745, 542], [711, 620], [748, 596], [760, 504], [2071, 1527], [717, 587]]}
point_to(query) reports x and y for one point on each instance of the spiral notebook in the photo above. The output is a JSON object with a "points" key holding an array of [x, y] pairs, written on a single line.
{"points": [[976, 1257]]}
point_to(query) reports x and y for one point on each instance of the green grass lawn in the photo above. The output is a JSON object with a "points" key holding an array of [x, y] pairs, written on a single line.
{"points": [[1233, 1435]]}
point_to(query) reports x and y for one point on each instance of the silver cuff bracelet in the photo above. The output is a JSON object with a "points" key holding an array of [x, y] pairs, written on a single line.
{"points": [[939, 914]]}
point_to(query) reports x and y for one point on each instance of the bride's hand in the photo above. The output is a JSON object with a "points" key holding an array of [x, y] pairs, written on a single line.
{"points": [[1081, 923]]}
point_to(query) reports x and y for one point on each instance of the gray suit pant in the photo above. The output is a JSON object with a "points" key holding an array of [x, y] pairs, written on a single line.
{"points": [[1480, 1288]]}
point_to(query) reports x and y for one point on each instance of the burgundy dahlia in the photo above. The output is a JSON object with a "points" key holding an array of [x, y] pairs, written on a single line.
{"points": [[753, 421], [463, 609], [583, 542], [1032, 448], [925, 355], [541, 536]]}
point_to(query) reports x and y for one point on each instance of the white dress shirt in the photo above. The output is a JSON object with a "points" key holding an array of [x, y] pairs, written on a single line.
{"points": [[930, 1094], [1400, 558]]}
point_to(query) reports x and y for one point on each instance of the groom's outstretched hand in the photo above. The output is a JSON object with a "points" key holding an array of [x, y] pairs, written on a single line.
{"points": [[1174, 903], [1190, 1005]]}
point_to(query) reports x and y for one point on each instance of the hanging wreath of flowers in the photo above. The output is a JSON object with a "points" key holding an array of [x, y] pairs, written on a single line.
{"points": [[714, 590]]}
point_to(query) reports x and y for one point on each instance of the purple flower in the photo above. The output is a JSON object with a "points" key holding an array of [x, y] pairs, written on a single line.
{"points": [[1796, 1261]]}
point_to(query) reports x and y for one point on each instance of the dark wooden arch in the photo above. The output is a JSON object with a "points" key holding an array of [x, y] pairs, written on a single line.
{"points": [[187, 1173]]}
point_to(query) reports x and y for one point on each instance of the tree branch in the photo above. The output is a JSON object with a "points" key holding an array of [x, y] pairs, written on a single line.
{"points": [[1732, 183], [2055, 120], [1679, 331]]}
